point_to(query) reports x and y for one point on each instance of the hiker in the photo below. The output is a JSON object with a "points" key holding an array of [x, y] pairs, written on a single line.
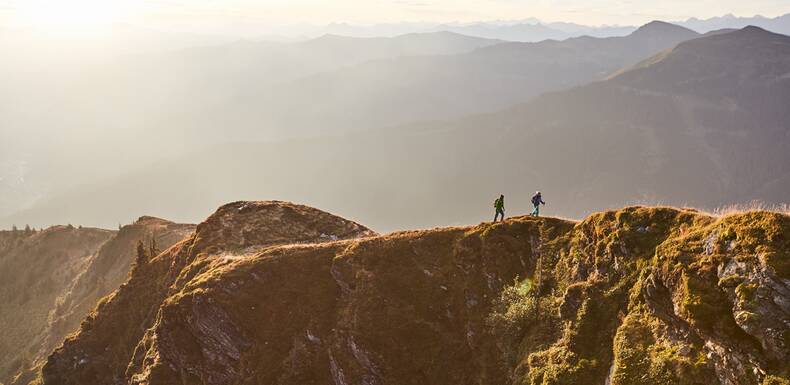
{"points": [[537, 200], [499, 206]]}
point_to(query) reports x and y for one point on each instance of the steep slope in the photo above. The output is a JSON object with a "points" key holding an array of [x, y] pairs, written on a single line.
{"points": [[103, 274], [635, 296], [704, 124], [110, 339], [35, 269]]}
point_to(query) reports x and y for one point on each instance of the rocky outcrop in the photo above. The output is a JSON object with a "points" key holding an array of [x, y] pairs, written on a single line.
{"points": [[118, 334], [263, 294]]}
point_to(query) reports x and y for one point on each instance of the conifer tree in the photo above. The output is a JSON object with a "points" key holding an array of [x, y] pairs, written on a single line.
{"points": [[153, 250], [142, 255]]}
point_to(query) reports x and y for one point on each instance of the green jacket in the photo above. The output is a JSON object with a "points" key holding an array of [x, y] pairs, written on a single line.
{"points": [[499, 204]]}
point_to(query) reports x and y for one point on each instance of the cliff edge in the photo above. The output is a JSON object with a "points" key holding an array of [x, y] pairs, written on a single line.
{"points": [[276, 293]]}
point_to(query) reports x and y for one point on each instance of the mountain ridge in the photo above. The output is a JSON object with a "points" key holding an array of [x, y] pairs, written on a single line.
{"points": [[239, 227], [484, 300]]}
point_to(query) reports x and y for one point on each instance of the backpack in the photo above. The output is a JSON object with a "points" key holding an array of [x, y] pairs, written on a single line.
{"points": [[535, 200]]}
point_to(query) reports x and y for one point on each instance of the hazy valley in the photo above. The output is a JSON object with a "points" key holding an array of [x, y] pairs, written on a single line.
{"points": [[405, 132], [671, 128]]}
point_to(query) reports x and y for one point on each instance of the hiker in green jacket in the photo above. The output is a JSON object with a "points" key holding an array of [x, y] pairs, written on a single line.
{"points": [[499, 206]]}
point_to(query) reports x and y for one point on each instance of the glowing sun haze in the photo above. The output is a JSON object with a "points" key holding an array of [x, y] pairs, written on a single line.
{"points": [[248, 16], [68, 15]]}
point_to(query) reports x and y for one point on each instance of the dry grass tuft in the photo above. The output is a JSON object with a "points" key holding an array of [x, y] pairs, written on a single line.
{"points": [[740, 208]]}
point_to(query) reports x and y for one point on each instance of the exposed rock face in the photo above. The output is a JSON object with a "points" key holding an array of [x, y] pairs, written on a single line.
{"points": [[119, 333], [636, 296]]}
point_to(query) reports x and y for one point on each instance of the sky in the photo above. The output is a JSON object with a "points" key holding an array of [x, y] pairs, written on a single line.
{"points": [[249, 17]]}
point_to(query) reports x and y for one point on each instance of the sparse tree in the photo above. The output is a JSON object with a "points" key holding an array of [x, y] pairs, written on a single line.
{"points": [[14, 228], [153, 250], [142, 255]]}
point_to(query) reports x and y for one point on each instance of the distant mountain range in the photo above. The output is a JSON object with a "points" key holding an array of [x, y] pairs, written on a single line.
{"points": [[332, 84], [533, 30], [404, 89], [702, 124], [180, 100], [54, 115], [256, 63], [779, 24]]}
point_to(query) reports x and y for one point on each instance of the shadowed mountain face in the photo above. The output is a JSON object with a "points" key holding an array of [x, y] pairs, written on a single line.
{"points": [[263, 294], [52, 279], [703, 124]]}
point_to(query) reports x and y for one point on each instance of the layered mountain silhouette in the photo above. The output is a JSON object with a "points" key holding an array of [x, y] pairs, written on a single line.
{"points": [[247, 91], [440, 87], [57, 117], [533, 30], [779, 24], [528, 30], [701, 124], [261, 63], [334, 84], [274, 292]]}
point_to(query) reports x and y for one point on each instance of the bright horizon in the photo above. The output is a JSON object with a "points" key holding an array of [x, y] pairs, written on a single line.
{"points": [[246, 17]]}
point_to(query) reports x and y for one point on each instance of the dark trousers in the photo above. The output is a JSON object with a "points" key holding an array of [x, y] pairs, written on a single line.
{"points": [[498, 213]]}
